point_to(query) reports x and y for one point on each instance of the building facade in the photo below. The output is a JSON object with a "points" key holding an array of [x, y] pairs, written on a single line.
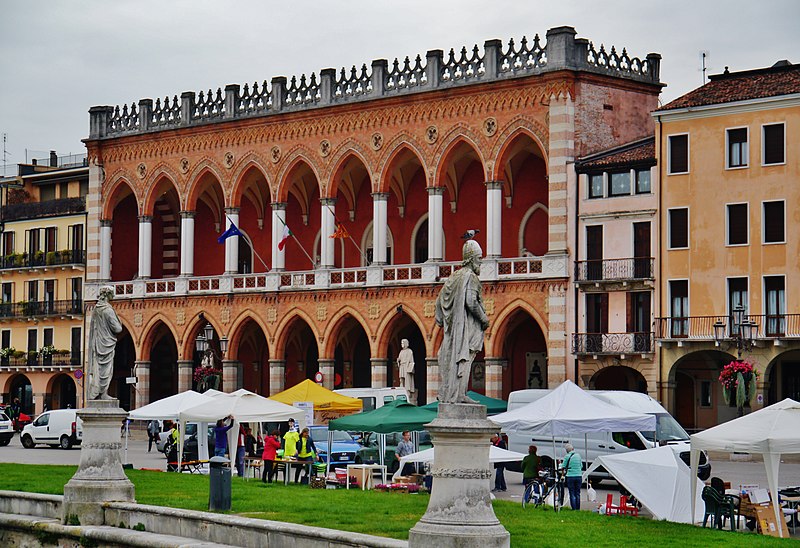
{"points": [[351, 191], [730, 166], [42, 270]]}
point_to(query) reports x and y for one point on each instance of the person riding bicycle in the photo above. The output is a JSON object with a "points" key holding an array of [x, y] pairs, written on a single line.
{"points": [[530, 465]]}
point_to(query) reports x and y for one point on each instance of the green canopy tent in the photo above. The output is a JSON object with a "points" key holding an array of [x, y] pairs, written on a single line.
{"points": [[395, 416], [493, 405]]}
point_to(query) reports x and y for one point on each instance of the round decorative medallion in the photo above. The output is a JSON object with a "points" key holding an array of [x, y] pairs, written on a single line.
{"points": [[324, 148], [275, 154], [141, 170], [431, 134], [489, 127], [376, 141], [184, 165], [229, 159]]}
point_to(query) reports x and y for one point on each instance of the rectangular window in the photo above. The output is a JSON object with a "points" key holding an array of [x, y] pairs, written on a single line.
{"points": [[33, 340], [774, 151], [34, 241], [76, 237], [737, 300], [33, 290], [47, 193], [705, 393], [8, 243], [774, 222], [678, 154], [63, 190], [594, 252], [738, 151], [7, 295], [775, 305], [75, 346], [679, 308], [47, 336], [678, 228], [643, 181], [83, 189], [737, 224], [76, 295], [5, 339], [596, 186], [50, 239], [619, 184]]}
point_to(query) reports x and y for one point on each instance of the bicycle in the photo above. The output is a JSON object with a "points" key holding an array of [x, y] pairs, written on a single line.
{"points": [[542, 487]]}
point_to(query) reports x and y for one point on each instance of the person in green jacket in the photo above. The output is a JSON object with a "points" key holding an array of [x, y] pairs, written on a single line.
{"points": [[574, 468], [530, 465]]}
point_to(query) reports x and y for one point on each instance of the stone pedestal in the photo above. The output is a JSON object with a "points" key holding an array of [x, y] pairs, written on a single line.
{"points": [[460, 512], [100, 477]]}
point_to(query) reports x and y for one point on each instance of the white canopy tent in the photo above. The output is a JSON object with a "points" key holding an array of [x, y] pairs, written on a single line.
{"points": [[169, 407], [658, 478], [495, 455], [771, 431]]}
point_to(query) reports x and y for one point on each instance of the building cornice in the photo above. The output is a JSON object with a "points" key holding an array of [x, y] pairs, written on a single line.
{"points": [[725, 109]]}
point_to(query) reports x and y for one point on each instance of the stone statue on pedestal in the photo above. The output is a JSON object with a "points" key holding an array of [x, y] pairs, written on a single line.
{"points": [[405, 363], [460, 311], [103, 333]]}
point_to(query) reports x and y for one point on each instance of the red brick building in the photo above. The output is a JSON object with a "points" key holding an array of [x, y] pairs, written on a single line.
{"points": [[403, 157]]}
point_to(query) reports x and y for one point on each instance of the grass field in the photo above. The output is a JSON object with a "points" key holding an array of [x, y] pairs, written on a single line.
{"points": [[387, 514]]}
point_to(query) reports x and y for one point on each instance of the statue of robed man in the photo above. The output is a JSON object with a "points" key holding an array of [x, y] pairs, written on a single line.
{"points": [[103, 333]]}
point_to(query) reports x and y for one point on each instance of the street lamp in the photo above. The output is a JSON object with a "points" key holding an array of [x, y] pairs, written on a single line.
{"points": [[203, 345], [742, 334]]}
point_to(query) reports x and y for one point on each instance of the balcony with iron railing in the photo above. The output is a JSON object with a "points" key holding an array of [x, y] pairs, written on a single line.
{"points": [[35, 359], [41, 309], [492, 270], [625, 271], [37, 210], [701, 328], [42, 259], [612, 344]]}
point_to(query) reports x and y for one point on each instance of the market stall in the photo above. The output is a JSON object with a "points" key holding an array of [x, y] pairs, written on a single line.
{"points": [[318, 404]]}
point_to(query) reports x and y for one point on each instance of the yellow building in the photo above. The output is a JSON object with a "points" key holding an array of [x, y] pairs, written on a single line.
{"points": [[729, 163], [43, 243]]}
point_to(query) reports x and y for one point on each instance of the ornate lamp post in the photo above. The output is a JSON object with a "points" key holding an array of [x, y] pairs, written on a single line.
{"points": [[738, 378], [742, 333]]}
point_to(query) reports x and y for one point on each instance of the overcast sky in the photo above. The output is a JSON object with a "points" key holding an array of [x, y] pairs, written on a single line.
{"points": [[59, 58]]}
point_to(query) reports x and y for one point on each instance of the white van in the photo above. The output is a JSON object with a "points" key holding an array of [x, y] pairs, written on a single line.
{"points": [[58, 427], [668, 431], [375, 398]]}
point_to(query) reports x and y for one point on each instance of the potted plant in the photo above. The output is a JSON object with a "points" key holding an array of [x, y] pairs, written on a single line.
{"points": [[738, 380], [33, 357], [207, 377], [6, 354], [46, 352], [50, 258]]}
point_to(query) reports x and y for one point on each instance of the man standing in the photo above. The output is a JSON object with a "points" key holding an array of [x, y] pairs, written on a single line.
{"points": [[460, 311], [574, 469], [405, 447], [152, 434], [499, 467]]}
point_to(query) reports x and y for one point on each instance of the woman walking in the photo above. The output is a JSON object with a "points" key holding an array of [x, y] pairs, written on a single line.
{"points": [[271, 445]]}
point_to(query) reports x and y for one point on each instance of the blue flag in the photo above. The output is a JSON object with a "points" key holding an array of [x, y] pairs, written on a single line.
{"points": [[233, 230]]}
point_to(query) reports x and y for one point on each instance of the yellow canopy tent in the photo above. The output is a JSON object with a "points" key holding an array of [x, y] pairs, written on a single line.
{"points": [[327, 404]]}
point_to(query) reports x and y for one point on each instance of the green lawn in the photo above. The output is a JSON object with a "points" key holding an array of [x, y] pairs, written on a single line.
{"points": [[385, 514]]}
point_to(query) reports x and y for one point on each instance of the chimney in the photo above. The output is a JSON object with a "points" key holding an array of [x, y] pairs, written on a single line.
{"points": [[53, 159]]}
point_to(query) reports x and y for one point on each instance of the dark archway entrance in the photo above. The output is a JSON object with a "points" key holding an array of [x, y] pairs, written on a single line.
{"points": [[405, 328], [302, 353], [163, 365], [21, 389], [124, 358], [351, 363], [63, 392], [525, 350], [783, 375], [619, 377], [698, 395], [253, 354]]}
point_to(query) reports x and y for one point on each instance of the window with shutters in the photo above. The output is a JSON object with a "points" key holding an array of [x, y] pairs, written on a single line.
{"points": [[678, 220], [774, 222], [737, 220], [774, 146], [678, 154], [738, 151]]}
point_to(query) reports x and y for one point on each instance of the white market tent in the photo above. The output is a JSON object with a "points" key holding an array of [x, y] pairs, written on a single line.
{"points": [[571, 410], [659, 479], [495, 455], [169, 407], [771, 431]]}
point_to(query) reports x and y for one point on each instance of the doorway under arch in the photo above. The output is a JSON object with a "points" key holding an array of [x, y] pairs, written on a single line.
{"points": [[405, 328], [619, 377], [163, 365], [63, 393]]}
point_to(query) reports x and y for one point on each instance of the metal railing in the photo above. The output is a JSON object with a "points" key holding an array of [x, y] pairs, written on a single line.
{"points": [[612, 343], [636, 268], [35, 309], [41, 259], [35, 210], [38, 360], [768, 326]]}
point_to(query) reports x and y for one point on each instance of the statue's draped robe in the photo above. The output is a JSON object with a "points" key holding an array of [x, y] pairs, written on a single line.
{"points": [[405, 363], [102, 341], [459, 309]]}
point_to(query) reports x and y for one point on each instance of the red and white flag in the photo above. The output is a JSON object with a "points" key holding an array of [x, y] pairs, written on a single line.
{"points": [[286, 234]]}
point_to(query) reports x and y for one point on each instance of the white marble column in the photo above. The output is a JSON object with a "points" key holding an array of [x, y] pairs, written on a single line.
{"points": [[278, 222], [380, 227], [326, 243], [105, 250], [232, 243], [187, 243], [494, 218], [435, 204], [145, 245]]}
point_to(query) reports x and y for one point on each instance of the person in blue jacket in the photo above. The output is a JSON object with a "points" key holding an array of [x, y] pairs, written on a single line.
{"points": [[221, 436]]}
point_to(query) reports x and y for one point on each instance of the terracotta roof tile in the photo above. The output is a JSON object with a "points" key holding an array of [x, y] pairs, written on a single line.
{"points": [[740, 86], [642, 151]]}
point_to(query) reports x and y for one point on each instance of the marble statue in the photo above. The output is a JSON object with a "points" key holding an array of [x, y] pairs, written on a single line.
{"points": [[405, 363], [103, 333], [460, 311]]}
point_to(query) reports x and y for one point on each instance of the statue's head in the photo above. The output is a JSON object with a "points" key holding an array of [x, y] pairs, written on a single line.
{"points": [[472, 254], [404, 343], [106, 293]]}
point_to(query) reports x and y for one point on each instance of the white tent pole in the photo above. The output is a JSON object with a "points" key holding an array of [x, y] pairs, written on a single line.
{"points": [[381, 448], [127, 435], [586, 460], [330, 453], [694, 461], [555, 473], [772, 463]]}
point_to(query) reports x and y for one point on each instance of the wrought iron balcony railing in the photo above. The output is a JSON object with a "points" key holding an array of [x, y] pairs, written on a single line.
{"points": [[768, 326], [36, 360], [40, 259], [615, 270], [35, 309], [612, 343]]}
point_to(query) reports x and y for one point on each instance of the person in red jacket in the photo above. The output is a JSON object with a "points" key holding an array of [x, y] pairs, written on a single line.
{"points": [[271, 445]]}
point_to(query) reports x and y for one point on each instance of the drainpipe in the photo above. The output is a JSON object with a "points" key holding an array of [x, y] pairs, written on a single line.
{"points": [[576, 248], [659, 163]]}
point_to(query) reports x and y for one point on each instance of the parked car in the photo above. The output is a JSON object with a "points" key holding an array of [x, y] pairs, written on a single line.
{"points": [[6, 429], [368, 454], [344, 448], [375, 398], [58, 427]]}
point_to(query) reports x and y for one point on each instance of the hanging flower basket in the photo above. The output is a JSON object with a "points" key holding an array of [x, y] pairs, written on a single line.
{"points": [[207, 378], [738, 380]]}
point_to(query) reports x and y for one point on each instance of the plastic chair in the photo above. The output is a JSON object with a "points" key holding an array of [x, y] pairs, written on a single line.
{"points": [[720, 507]]}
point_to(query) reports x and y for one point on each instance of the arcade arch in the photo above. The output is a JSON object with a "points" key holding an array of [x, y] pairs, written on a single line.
{"points": [[618, 377], [300, 191], [698, 401], [249, 347], [163, 360], [207, 200], [253, 198], [523, 347], [405, 181], [123, 213]]}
